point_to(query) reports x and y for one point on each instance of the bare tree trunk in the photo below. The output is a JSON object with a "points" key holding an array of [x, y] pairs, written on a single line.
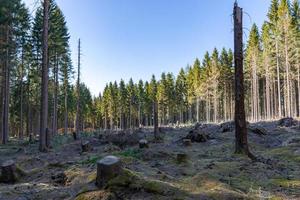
{"points": [[21, 98], [54, 125], [241, 144], [155, 120], [278, 81], [77, 123], [5, 110], [66, 109], [44, 96], [287, 71]]}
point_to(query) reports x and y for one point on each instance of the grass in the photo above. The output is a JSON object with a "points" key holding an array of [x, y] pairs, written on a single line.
{"points": [[129, 153], [91, 160]]}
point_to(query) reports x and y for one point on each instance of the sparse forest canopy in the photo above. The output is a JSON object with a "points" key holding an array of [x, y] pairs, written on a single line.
{"points": [[203, 91]]}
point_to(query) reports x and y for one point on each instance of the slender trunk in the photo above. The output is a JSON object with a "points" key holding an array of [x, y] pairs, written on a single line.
{"points": [[278, 81], [5, 110], [288, 87], [77, 126], [21, 98], [66, 109], [240, 120]]}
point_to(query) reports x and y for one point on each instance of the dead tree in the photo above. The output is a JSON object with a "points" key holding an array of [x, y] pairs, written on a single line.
{"points": [[241, 140], [77, 123], [44, 88]]}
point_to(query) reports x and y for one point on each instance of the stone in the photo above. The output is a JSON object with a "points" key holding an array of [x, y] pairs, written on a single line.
{"points": [[143, 144], [108, 168]]}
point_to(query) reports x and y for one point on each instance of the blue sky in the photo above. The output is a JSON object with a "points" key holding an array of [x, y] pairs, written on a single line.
{"points": [[138, 38]]}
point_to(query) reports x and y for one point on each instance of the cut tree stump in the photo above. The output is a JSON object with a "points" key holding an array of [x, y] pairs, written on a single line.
{"points": [[74, 135], [31, 138], [181, 157], [9, 172], [187, 142], [86, 146], [143, 144], [108, 168]]}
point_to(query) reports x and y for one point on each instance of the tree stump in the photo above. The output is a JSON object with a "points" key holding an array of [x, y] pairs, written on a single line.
{"points": [[187, 142], [143, 144], [107, 169], [31, 138], [75, 136], [86, 146], [181, 157], [9, 172]]}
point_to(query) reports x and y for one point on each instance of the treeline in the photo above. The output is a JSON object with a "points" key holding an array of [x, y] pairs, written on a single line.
{"points": [[203, 91], [21, 62]]}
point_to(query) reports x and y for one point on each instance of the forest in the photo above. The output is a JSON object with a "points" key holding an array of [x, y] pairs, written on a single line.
{"points": [[45, 107]]}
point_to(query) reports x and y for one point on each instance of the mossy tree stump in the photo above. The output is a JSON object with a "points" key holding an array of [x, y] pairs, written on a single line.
{"points": [[9, 172], [86, 146], [108, 168], [187, 142], [181, 157]]}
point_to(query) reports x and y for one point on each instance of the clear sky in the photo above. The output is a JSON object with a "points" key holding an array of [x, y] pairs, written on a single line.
{"points": [[138, 38]]}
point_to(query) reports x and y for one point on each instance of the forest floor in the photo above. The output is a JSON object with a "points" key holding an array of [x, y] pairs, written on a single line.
{"points": [[212, 170]]}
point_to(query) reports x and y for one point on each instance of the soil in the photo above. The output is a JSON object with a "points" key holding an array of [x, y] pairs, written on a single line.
{"points": [[210, 171]]}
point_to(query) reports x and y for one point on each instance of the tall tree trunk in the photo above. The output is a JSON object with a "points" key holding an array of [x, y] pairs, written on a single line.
{"points": [[241, 144], [54, 126], [287, 71], [5, 110], [77, 124], [278, 81], [66, 109], [44, 88], [21, 98]]}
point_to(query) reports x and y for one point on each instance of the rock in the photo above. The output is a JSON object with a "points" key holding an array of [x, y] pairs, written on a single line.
{"points": [[197, 136], [60, 178], [143, 144], [9, 172], [187, 142], [86, 146], [181, 157], [287, 122], [108, 168]]}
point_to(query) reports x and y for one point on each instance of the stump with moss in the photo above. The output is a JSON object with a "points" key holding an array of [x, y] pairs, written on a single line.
{"points": [[187, 142], [9, 172], [86, 146], [181, 157], [143, 144], [108, 168]]}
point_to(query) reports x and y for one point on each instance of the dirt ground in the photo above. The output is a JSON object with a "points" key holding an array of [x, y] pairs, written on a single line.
{"points": [[211, 171]]}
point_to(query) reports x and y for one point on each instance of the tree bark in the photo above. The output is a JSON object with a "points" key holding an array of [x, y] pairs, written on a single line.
{"points": [[44, 88], [241, 143]]}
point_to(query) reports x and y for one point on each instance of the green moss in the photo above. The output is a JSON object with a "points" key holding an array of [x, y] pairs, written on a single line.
{"points": [[286, 183], [91, 160], [129, 153]]}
